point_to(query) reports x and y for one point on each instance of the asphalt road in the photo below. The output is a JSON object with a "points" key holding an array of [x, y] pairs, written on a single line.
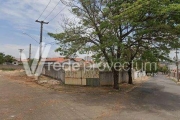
{"points": [[157, 99]]}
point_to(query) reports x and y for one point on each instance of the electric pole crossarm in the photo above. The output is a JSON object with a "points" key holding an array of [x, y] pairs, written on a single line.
{"points": [[42, 22]]}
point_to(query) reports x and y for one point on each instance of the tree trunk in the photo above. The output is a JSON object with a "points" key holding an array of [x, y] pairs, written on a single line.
{"points": [[116, 79], [130, 74]]}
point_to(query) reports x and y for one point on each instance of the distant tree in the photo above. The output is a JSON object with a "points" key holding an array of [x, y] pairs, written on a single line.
{"points": [[6, 58], [2, 58], [9, 59]]}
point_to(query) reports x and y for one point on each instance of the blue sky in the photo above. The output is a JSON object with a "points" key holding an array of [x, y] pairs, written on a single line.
{"points": [[18, 17]]}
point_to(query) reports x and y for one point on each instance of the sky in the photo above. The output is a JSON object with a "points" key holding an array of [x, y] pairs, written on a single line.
{"points": [[18, 28]]}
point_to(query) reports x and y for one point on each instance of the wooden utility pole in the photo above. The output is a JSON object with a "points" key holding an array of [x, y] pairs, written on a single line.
{"points": [[177, 64], [29, 51], [41, 34], [40, 43]]}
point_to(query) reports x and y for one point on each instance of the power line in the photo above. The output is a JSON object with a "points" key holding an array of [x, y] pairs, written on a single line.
{"points": [[52, 10], [37, 40], [52, 43], [44, 9], [31, 37], [57, 14]]}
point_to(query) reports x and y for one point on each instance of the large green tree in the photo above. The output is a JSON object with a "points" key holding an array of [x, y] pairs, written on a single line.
{"points": [[111, 28]]}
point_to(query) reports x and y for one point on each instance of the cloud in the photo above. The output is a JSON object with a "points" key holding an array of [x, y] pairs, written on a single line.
{"points": [[18, 16], [24, 13]]}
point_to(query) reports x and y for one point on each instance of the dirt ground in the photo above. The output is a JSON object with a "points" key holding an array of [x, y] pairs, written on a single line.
{"points": [[23, 98]]}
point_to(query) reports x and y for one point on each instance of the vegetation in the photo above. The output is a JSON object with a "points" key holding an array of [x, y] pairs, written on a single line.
{"points": [[7, 69], [2, 58], [163, 69], [6, 58], [121, 31]]}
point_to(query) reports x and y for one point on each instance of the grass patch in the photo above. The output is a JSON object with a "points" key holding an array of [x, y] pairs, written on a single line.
{"points": [[7, 69]]}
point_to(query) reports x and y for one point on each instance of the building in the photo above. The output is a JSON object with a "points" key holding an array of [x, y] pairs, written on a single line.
{"points": [[67, 62]]}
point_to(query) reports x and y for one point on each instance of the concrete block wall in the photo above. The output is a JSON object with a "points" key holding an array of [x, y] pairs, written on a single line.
{"points": [[79, 77], [106, 78], [73, 81], [50, 72]]}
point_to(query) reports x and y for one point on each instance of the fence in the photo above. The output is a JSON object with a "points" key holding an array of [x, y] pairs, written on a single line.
{"points": [[56, 74], [106, 78], [91, 78], [82, 77]]}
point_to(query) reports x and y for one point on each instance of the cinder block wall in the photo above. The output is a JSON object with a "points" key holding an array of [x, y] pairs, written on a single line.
{"points": [[106, 78], [51, 72]]}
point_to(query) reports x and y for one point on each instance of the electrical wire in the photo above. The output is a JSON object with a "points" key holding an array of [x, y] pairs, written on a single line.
{"points": [[31, 37], [52, 10], [58, 13], [44, 10]]}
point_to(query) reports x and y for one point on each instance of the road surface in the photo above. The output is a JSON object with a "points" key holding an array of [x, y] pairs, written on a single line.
{"points": [[157, 99]]}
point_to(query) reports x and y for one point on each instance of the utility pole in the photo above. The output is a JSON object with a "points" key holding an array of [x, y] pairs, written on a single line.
{"points": [[29, 51], [41, 34], [20, 51], [177, 64], [40, 43]]}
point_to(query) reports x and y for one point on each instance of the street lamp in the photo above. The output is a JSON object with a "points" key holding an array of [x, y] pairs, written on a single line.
{"points": [[20, 50]]}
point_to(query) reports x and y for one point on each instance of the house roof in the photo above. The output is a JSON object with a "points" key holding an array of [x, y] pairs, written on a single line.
{"points": [[63, 59], [60, 59], [78, 59], [23, 60]]}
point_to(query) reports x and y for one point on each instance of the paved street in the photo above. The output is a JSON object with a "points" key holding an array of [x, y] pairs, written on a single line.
{"points": [[157, 99]]}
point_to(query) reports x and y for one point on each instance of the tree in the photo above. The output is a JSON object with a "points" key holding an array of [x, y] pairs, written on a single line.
{"points": [[111, 28], [158, 28], [9, 58], [2, 58], [6, 58]]}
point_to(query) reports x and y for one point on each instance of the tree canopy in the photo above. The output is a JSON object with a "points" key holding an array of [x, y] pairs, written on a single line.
{"points": [[6, 58], [120, 30]]}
